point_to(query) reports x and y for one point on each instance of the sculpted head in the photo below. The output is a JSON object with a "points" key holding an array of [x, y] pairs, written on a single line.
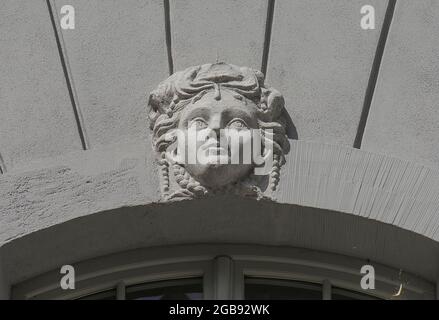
{"points": [[195, 111]]}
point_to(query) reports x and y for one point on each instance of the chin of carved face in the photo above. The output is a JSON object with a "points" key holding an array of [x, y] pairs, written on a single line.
{"points": [[217, 175]]}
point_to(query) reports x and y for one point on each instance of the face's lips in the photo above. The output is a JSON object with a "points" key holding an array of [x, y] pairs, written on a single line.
{"points": [[219, 151], [217, 148]]}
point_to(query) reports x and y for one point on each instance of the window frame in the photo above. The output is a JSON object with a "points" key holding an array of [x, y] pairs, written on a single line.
{"points": [[223, 269]]}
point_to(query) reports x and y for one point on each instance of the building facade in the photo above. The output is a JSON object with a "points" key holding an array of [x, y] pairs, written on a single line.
{"points": [[350, 89]]}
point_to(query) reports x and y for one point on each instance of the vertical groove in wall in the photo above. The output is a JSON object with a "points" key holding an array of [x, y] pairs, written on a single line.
{"points": [[374, 73], [267, 36], [168, 35], [2, 165], [68, 75]]}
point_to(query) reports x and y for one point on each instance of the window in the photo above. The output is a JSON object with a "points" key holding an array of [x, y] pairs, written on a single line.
{"points": [[343, 294], [105, 295], [185, 289], [224, 272], [265, 289]]}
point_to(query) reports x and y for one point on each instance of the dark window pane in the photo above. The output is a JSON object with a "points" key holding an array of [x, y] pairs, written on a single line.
{"points": [[265, 289], [343, 294], [104, 295], [184, 289]]}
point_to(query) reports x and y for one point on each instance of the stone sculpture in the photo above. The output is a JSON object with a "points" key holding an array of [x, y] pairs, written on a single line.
{"points": [[217, 98]]}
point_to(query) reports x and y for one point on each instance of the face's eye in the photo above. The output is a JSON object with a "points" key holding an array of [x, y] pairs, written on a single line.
{"points": [[198, 123], [237, 124]]}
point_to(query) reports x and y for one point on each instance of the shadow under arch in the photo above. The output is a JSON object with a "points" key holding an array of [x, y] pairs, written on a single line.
{"points": [[230, 220]]}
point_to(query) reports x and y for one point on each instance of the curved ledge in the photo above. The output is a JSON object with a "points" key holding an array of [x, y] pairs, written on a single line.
{"points": [[330, 198], [219, 221]]}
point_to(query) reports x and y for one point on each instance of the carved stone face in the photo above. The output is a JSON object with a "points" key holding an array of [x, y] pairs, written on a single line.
{"points": [[239, 131], [209, 116]]}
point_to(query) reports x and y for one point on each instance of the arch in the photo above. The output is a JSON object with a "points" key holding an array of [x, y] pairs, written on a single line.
{"points": [[331, 198]]}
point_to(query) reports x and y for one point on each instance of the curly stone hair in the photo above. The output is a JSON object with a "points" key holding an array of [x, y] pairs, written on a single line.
{"points": [[182, 88]]}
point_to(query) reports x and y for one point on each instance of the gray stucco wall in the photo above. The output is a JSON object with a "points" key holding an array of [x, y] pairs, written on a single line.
{"points": [[37, 115], [404, 117], [321, 60], [318, 57], [117, 54]]}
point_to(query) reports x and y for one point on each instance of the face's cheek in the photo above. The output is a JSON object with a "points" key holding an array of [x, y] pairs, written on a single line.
{"points": [[240, 145], [246, 147], [246, 139]]}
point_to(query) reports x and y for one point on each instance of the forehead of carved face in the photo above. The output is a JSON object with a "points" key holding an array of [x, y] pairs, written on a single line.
{"points": [[228, 112]]}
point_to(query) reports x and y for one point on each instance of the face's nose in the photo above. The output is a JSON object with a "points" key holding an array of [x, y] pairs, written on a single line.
{"points": [[215, 122]]}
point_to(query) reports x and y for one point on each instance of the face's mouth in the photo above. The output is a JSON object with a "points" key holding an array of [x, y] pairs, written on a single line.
{"points": [[215, 156], [214, 148], [217, 150]]}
